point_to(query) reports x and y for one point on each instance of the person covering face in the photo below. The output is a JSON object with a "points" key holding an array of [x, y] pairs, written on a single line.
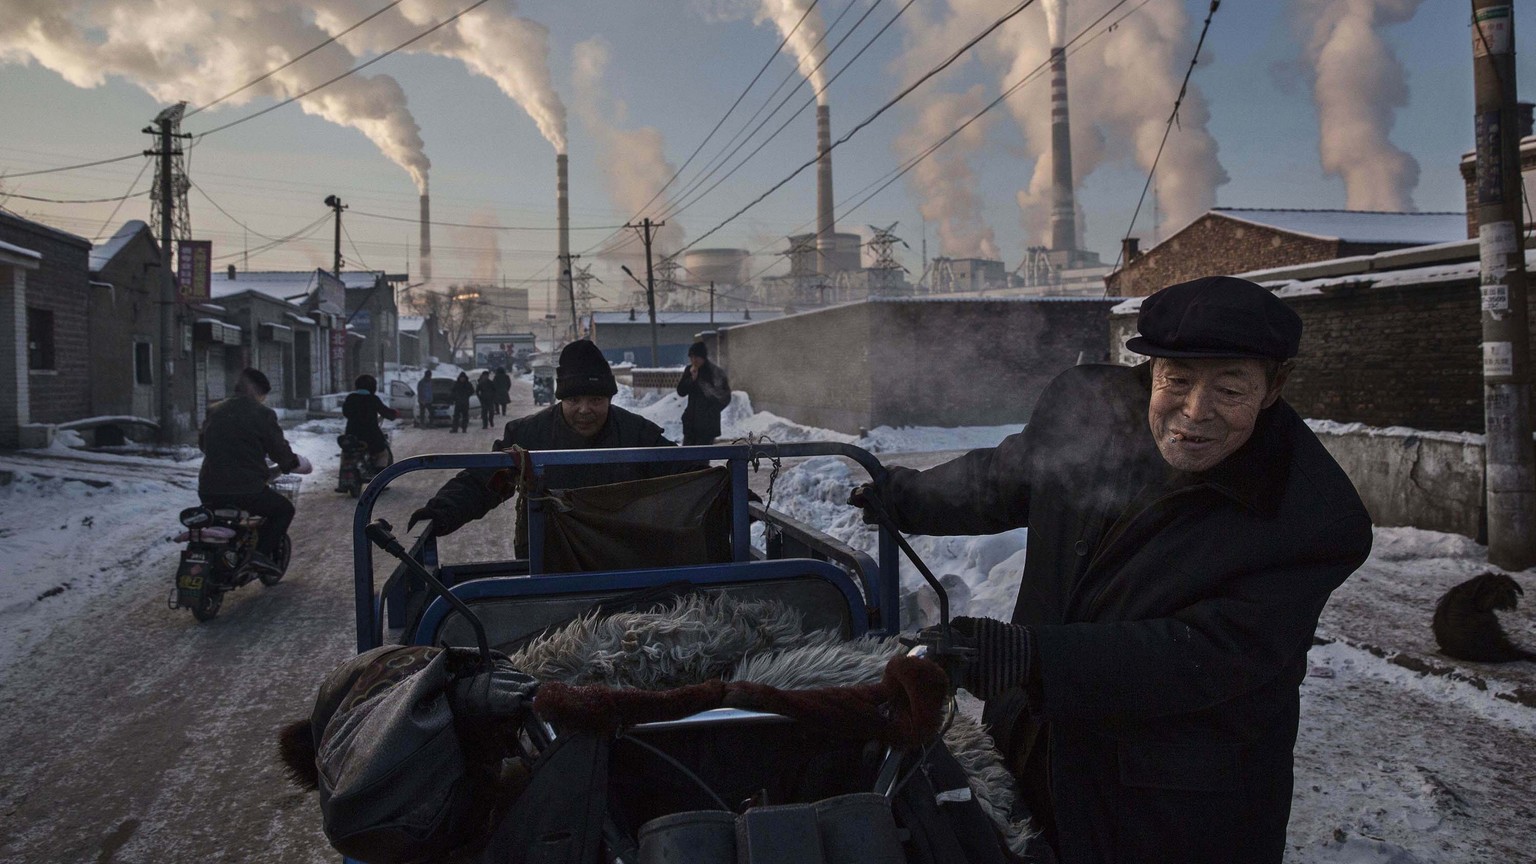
{"points": [[584, 417], [1185, 530]]}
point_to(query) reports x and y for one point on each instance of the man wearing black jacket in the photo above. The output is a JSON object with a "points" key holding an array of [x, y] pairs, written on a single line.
{"points": [[238, 437], [582, 418], [708, 392], [1185, 530]]}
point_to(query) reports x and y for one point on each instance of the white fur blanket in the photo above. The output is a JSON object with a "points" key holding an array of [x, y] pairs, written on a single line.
{"points": [[700, 637]]}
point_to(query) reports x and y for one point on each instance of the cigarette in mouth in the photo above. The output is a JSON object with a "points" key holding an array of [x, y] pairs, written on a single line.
{"points": [[1175, 438]]}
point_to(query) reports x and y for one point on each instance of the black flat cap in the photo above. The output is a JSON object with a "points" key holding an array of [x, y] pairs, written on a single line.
{"points": [[1217, 316]]}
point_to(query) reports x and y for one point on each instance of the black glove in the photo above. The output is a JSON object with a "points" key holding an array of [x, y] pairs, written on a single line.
{"points": [[503, 693], [1004, 654], [862, 497], [444, 522]]}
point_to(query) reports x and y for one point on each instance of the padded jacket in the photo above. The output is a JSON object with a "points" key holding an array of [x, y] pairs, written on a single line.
{"points": [[238, 437], [708, 395], [1171, 613]]}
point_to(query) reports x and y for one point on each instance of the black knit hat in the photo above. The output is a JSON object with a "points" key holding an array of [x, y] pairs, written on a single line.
{"points": [[257, 379], [583, 371], [1218, 316], [698, 349]]}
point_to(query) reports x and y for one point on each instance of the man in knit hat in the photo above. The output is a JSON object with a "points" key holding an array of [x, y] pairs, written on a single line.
{"points": [[582, 417], [1185, 530]]}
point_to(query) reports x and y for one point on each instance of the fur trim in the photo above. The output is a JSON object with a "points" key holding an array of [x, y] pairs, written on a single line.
{"points": [[296, 748]]}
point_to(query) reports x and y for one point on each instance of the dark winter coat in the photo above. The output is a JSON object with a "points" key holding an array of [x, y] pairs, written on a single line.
{"points": [[708, 395], [363, 410], [486, 389], [462, 390], [469, 496], [1171, 613], [237, 439], [503, 387]]}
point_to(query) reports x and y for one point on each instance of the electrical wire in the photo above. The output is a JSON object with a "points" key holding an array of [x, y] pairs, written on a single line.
{"points": [[353, 243], [486, 227], [253, 82], [102, 231], [905, 92], [302, 234], [1167, 129], [139, 194], [70, 167], [358, 68]]}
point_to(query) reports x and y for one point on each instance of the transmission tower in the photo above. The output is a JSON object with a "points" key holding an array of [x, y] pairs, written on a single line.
{"points": [[885, 272], [583, 284], [666, 281], [181, 220]]}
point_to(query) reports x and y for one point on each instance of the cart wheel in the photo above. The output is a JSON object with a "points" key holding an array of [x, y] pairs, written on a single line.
{"points": [[283, 556], [207, 605]]}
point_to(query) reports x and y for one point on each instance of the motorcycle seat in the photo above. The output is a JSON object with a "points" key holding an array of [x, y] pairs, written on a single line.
{"points": [[215, 534], [231, 517]]}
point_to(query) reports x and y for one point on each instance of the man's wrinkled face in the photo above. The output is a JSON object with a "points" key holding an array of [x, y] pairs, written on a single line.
{"points": [[1203, 410], [585, 414]]}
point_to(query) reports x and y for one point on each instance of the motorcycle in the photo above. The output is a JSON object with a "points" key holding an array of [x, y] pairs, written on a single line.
{"points": [[357, 468], [221, 542]]}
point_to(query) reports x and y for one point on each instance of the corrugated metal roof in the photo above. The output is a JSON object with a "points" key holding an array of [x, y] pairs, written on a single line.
{"points": [[1357, 226]]}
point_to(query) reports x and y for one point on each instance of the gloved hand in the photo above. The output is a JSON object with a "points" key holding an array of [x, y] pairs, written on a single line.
{"points": [[1004, 654], [444, 521], [305, 466], [503, 693], [506, 481], [862, 498]]}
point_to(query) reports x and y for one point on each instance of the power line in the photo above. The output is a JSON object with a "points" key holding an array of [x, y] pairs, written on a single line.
{"points": [[302, 234], [71, 167], [101, 232], [906, 91], [486, 227], [358, 68], [253, 82], [355, 250], [78, 200]]}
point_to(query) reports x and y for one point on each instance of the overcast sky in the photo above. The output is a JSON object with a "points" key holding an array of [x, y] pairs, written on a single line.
{"points": [[643, 81]]}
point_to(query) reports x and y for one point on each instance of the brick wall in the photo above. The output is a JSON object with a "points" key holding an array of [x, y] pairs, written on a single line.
{"points": [[61, 285], [1216, 244], [912, 362], [1392, 356], [1468, 168]]}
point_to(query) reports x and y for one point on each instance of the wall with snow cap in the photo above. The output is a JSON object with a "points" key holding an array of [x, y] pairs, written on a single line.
{"points": [[1430, 480]]}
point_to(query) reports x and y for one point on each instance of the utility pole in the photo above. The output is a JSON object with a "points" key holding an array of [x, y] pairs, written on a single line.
{"points": [[335, 204], [647, 234], [711, 304], [166, 132], [1509, 456]]}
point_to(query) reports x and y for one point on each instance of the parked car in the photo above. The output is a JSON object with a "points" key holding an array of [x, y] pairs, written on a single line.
{"points": [[402, 398]]}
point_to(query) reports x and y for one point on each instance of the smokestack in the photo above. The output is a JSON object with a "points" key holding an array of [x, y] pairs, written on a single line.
{"points": [[824, 227], [565, 303], [426, 238], [1063, 210]]}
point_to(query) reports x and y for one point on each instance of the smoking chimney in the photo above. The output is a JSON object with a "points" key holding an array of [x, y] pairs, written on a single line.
{"points": [[1063, 210], [426, 238], [825, 230], [565, 303]]}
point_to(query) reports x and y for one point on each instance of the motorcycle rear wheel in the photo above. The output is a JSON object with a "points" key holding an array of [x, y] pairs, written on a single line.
{"points": [[207, 605], [283, 556]]}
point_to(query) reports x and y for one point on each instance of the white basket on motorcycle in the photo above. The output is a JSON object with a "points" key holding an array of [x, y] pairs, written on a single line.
{"points": [[288, 486]]}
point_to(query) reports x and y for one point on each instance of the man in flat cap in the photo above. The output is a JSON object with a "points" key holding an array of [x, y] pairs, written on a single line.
{"points": [[582, 418], [1185, 530]]}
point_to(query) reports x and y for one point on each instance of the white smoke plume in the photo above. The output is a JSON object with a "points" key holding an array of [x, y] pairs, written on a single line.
{"points": [[511, 51], [944, 183], [633, 160], [1120, 88], [199, 52], [1056, 21], [1359, 86], [478, 250], [807, 41]]}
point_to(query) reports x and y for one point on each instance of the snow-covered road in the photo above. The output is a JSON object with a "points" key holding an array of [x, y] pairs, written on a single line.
{"points": [[136, 734]]}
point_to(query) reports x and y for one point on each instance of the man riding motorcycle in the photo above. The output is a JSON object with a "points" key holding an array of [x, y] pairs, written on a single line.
{"points": [[363, 408], [237, 439]]}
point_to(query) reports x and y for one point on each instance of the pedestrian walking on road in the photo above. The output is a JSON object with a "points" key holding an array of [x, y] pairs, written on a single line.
{"points": [[462, 390], [503, 389], [486, 390], [424, 399], [708, 392], [1185, 530]]}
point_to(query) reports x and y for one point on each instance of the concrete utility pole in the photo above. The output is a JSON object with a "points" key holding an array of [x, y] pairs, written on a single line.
{"points": [[164, 130], [647, 234], [335, 204], [1509, 455]]}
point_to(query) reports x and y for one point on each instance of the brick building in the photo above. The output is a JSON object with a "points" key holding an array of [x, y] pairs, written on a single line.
{"points": [[373, 321], [626, 336], [46, 315], [287, 323], [925, 362], [125, 330], [1234, 240]]}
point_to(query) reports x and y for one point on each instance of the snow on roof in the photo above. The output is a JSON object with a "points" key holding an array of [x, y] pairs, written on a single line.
{"points": [[723, 316], [1357, 226], [411, 323], [17, 250], [356, 279], [103, 254], [281, 285]]}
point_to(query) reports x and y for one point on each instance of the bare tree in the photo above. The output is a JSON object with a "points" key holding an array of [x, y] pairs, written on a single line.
{"points": [[460, 311]]}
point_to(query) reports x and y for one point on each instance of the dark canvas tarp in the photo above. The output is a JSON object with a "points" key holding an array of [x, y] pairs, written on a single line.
{"points": [[667, 521]]}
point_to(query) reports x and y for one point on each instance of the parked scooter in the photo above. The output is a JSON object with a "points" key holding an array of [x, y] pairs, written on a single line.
{"points": [[357, 468], [218, 558]]}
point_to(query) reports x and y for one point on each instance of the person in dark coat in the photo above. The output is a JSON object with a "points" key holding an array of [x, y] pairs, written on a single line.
{"points": [[708, 392], [424, 399], [238, 437], [462, 390], [485, 390], [1185, 530], [363, 409], [582, 418], [503, 389]]}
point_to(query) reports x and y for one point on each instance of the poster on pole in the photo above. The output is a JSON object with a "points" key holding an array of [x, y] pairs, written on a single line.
{"points": [[194, 270]]}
